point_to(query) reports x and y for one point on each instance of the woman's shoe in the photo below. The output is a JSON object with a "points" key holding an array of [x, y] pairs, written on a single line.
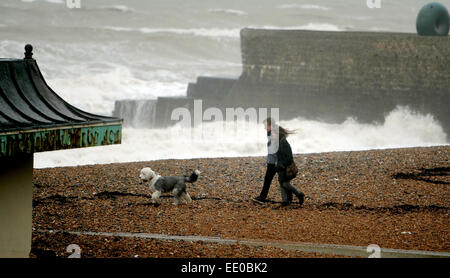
{"points": [[258, 200], [301, 198], [285, 204]]}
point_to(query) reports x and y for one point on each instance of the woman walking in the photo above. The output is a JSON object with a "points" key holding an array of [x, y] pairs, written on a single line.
{"points": [[278, 159]]}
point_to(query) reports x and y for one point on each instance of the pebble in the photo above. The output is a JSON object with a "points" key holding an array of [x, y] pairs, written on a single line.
{"points": [[366, 207]]}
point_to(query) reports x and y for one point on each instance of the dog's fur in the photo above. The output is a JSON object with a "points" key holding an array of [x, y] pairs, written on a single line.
{"points": [[174, 184]]}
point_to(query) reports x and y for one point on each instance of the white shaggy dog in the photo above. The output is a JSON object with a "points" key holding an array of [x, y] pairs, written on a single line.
{"points": [[174, 184]]}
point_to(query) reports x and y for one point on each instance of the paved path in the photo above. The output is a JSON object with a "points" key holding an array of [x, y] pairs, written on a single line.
{"points": [[335, 249]]}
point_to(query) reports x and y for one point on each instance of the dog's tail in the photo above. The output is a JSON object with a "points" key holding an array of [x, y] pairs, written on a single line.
{"points": [[193, 177]]}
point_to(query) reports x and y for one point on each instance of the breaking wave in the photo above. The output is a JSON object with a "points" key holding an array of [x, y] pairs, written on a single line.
{"points": [[401, 128], [221, 32], [228, 11], [303, 6], [118, 8], [202, 32]]}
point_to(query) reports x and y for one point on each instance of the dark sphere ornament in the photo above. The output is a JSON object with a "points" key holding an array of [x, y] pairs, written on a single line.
{"points": [[433, 20]]}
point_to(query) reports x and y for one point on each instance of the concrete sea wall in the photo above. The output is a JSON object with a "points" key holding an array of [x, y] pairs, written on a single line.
{"points": [[330, 76]]}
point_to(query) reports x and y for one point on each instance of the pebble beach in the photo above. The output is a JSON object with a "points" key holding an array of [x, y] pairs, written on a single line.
{"points": [[395, 198]]}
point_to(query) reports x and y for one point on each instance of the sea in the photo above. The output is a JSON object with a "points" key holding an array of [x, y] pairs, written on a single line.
{"points": [[95, 52]]}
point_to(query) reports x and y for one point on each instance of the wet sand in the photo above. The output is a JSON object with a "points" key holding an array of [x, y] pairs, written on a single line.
{"points": [[395, 198]]}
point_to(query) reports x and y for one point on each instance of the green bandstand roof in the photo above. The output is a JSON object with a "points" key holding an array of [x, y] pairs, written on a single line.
{"points": [[33, 118]]}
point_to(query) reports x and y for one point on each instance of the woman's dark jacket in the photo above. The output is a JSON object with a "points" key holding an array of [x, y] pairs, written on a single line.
{"points": [[284, 158]]}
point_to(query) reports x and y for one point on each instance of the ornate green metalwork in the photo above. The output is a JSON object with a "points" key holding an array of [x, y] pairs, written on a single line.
{"points": [[59, 139], [33, 118]]}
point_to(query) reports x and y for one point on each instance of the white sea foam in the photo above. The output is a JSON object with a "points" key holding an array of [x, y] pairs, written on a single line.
{"points": [[303, 6], [228, 11], [119, 8], [202, 32], [321, 27], [48, 1], [222, 32], [309, 26], [97, 93], [402, 128]]}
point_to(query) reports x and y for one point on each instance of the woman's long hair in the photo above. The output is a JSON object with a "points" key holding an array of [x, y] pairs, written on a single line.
{"points": [[283, 132]]}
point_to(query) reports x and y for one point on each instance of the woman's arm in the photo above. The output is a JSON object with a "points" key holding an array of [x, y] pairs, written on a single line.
{"points": [[284, 154]]}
